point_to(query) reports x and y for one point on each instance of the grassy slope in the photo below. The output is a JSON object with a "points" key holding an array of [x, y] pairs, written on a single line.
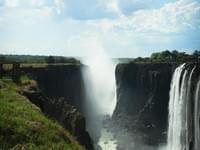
{"points": [[23, 126]]}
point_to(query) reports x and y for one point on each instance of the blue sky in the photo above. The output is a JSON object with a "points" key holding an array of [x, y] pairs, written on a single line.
{"points": [[123, 28]]}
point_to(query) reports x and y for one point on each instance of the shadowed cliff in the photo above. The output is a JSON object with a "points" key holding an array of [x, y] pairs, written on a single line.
{"points": [[142, 101], [141, 114], [60, 81], [60, 95]]}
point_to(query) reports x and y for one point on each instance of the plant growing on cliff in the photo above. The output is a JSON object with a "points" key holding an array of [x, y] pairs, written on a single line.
{"points": [[23, 126]]}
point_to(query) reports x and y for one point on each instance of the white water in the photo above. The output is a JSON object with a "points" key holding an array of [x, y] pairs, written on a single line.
{"points": [[177, 92], [197, 118], [107, 141], [180, 113], [99, 77]]}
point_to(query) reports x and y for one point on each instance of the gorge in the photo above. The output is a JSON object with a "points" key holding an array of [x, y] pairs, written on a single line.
{"points": [[138, 117], [100, 90], [99, 75]]}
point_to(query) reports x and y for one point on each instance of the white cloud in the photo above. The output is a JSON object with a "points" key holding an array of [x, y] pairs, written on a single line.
{"points": [[37, 3], [48, 24], [23, 15], [59, 4], [11, 3], [104, 24], [20, 11], [178, 16], [113, 6]]}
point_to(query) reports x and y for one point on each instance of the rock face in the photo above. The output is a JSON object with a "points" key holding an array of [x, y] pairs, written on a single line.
{"points": [[141, 113], [142, 101], [64, 113], [60, 81], [60, 95]]}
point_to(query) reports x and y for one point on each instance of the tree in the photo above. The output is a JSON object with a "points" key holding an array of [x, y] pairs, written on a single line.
{"points": [[196, 53], [2, 59], [175, 52], [155, 56], [50, 60], [165, 54]]}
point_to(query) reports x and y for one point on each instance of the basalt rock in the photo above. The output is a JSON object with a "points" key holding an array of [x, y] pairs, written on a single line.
{"points": [[60, 81], [142, 101], [63, 112]]}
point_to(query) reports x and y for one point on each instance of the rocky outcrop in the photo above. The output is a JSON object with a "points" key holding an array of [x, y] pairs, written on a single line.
{"points": [[141, 113], [61, 111], [60, 81], [60, 95], [142, 100]]}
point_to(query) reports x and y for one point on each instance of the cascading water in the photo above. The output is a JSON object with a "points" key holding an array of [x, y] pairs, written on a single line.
{"points": [[184, 111], [175, 109], [197, 117], [99, 80]]}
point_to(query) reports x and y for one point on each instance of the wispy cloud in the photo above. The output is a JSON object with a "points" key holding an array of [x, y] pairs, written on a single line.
{"points": [[179, 16], [124, 27]]}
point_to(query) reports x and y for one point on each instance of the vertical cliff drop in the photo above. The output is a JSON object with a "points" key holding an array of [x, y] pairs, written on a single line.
{"points": [[99, 80], [142, 99], [183, 129]]}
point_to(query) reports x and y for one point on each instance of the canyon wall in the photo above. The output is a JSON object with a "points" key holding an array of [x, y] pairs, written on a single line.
{"points": [[60, 95], [58, 81], [142, 102], [142, 96], [141, 113]]}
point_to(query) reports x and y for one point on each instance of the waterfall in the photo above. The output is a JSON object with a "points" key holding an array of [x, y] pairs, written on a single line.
{"points": [[99, 80], [197, 117], [175, 107], [183, 127]]}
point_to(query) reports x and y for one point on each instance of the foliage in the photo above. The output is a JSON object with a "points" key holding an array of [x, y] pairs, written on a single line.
{"points": [[50, 60], [29, 59], [23, 126], [196, 53], [170, 56]]}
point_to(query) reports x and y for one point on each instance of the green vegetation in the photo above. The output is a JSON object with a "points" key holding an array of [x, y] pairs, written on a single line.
{"points": [[171, 56], [29, 59], [43, 61], [24, 127]]}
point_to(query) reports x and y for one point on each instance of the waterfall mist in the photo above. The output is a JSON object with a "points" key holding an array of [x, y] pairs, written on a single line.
{"points": [[100, 85], [99, 81]]}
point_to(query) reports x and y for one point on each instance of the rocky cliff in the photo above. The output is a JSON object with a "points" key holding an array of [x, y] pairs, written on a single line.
{"points": [[57, 81], [64, 113], [23, 126], [60, 95], [142, 98], [142, 101], [141, 113]]}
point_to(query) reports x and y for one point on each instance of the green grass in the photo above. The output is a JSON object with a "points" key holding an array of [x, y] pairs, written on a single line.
{"points": [[23, 126]]}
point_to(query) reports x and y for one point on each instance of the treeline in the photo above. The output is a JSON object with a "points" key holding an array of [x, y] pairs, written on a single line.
{"points": [[29, 59], [170, 56]]}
